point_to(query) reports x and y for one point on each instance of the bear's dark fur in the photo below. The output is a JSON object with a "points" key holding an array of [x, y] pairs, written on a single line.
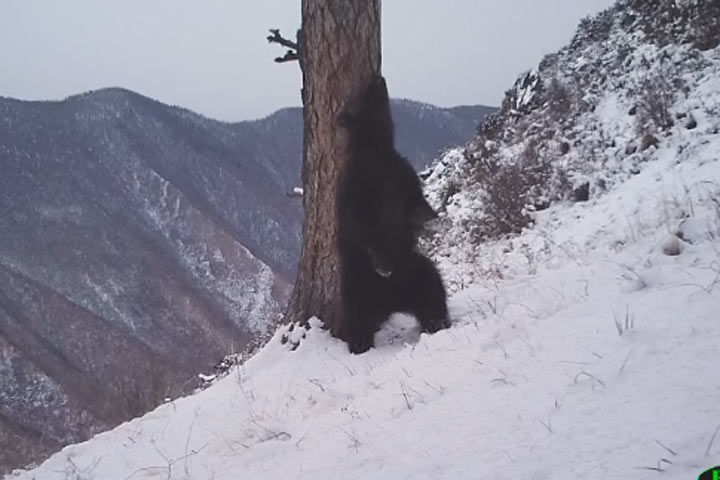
{"points": [[381, 210]]}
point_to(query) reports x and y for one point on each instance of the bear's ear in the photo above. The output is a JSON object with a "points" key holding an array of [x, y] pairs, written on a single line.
{"points": [[376, 91], [376, 100]]}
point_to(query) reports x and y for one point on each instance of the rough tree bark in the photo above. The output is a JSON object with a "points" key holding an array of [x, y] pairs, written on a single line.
{"points": [[339, 52]]}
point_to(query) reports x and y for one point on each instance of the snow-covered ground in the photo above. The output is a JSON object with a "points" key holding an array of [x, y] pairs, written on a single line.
{"points": [[603, 363]]}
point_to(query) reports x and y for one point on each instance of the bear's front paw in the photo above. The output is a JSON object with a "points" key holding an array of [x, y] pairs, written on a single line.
{"points": [[433, 326], [360, 343], [379, 266]]}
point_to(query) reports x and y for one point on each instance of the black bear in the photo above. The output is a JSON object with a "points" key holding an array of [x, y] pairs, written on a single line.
{"points": [[381, 210]]}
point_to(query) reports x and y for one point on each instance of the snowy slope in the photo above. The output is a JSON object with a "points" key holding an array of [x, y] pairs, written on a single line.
{"points": [[585, 345], [586, 369]]}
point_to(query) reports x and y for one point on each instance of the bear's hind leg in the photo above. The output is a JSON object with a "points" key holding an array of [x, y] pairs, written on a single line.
{"points": [[358, 330], [425, 296], [432, 315]]}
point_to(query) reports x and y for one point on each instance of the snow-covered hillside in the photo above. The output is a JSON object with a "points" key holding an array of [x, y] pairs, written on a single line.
{"points": [[632, 87], [585, 341], [605, 366]]}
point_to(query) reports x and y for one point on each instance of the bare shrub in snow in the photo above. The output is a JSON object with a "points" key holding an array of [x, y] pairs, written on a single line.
{"points": [[656, 98], [696, 22], [595, 29], [559, 100], [508, 189], [705, 30]]}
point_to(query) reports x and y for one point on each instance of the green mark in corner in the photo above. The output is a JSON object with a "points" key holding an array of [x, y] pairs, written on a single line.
{"points": [[710, 474]]}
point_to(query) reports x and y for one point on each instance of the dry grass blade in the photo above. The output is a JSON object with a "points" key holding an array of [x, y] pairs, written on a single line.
{"points": [[712, 440], [672, 452]]}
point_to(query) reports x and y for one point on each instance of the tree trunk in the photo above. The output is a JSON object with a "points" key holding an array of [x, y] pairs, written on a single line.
{"points": [[339, 45]]}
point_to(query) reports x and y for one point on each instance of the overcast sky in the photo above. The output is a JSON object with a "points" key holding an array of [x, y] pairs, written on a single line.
{"points": [[211, 55]]}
